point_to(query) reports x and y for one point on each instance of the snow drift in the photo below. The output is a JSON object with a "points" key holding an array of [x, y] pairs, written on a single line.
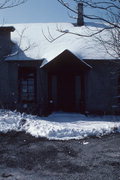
{"points": [[59, 126]]}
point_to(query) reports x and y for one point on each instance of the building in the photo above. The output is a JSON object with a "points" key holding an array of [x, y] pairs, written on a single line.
{"points": [[46, 68]]}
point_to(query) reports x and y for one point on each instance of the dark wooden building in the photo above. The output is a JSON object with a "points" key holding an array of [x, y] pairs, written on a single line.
{"points": [[65, 83]]}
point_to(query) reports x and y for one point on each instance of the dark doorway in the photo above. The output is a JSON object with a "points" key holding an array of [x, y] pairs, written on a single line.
{"points": [[66, 92]]}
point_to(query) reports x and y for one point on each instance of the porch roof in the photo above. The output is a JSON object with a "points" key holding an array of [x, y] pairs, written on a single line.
{"points": [[66, 61]]}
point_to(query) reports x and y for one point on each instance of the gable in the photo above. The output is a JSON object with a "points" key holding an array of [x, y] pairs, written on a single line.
{"points": [[66, 62]]}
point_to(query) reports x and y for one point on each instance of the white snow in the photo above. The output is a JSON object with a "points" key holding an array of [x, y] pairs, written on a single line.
{"points": [[59, 126], [45, 41]]}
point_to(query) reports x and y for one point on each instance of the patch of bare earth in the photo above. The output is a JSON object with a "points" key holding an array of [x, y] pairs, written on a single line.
{"points": [[23, 157]]}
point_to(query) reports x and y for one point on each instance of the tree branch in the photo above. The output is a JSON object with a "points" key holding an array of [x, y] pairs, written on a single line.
{"points": [[4, 4]]}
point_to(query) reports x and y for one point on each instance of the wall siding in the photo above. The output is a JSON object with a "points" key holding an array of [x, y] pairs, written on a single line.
{"points": [[102, 87]]}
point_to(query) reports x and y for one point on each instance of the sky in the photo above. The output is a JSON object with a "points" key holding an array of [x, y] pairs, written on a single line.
{"points": [[35, 11], [39, 11]]}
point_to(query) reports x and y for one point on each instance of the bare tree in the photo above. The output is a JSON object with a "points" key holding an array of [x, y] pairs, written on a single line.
{"points": [[10, 3], [22, 45], [105, 12]]}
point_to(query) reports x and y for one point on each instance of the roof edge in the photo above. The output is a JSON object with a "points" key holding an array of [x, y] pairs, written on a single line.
{"points": [[45, 62], [7, 28]]}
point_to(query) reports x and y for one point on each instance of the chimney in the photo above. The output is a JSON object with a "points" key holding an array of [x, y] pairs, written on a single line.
{"points": [[5, 40], [80, 20]]}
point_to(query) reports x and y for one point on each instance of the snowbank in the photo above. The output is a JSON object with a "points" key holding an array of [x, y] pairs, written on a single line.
{"points": [[59, 126]]}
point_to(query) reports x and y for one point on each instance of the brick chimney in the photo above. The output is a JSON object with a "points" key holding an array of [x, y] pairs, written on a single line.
{"points": [[5, 40], [80, 19]]}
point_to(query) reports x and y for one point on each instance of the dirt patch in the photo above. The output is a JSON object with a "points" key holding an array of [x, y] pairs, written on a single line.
{"points": [[24, 157]]}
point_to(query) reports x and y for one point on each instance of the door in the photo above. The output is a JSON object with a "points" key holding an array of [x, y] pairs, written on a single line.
{"points": [[66, 92]]}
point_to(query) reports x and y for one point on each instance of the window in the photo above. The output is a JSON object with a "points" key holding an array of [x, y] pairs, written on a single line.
{"points": [[27, 84]]}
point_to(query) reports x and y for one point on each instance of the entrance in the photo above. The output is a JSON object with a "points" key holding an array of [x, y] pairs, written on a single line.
{"points": [[66, 83], [66, 92]]}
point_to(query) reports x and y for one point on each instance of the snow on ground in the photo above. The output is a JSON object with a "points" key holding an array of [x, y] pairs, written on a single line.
{"points": [[60, 126]]}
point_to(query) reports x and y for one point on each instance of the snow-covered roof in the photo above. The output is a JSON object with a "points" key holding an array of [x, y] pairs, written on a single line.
{"points": [[36, 41]]}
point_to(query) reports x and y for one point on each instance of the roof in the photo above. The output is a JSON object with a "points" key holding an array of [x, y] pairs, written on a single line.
{"points": [[36, 41], [68, 60]]}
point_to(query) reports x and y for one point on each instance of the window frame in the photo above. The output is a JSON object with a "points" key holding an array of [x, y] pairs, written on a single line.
{"points": [[24, 76]]}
